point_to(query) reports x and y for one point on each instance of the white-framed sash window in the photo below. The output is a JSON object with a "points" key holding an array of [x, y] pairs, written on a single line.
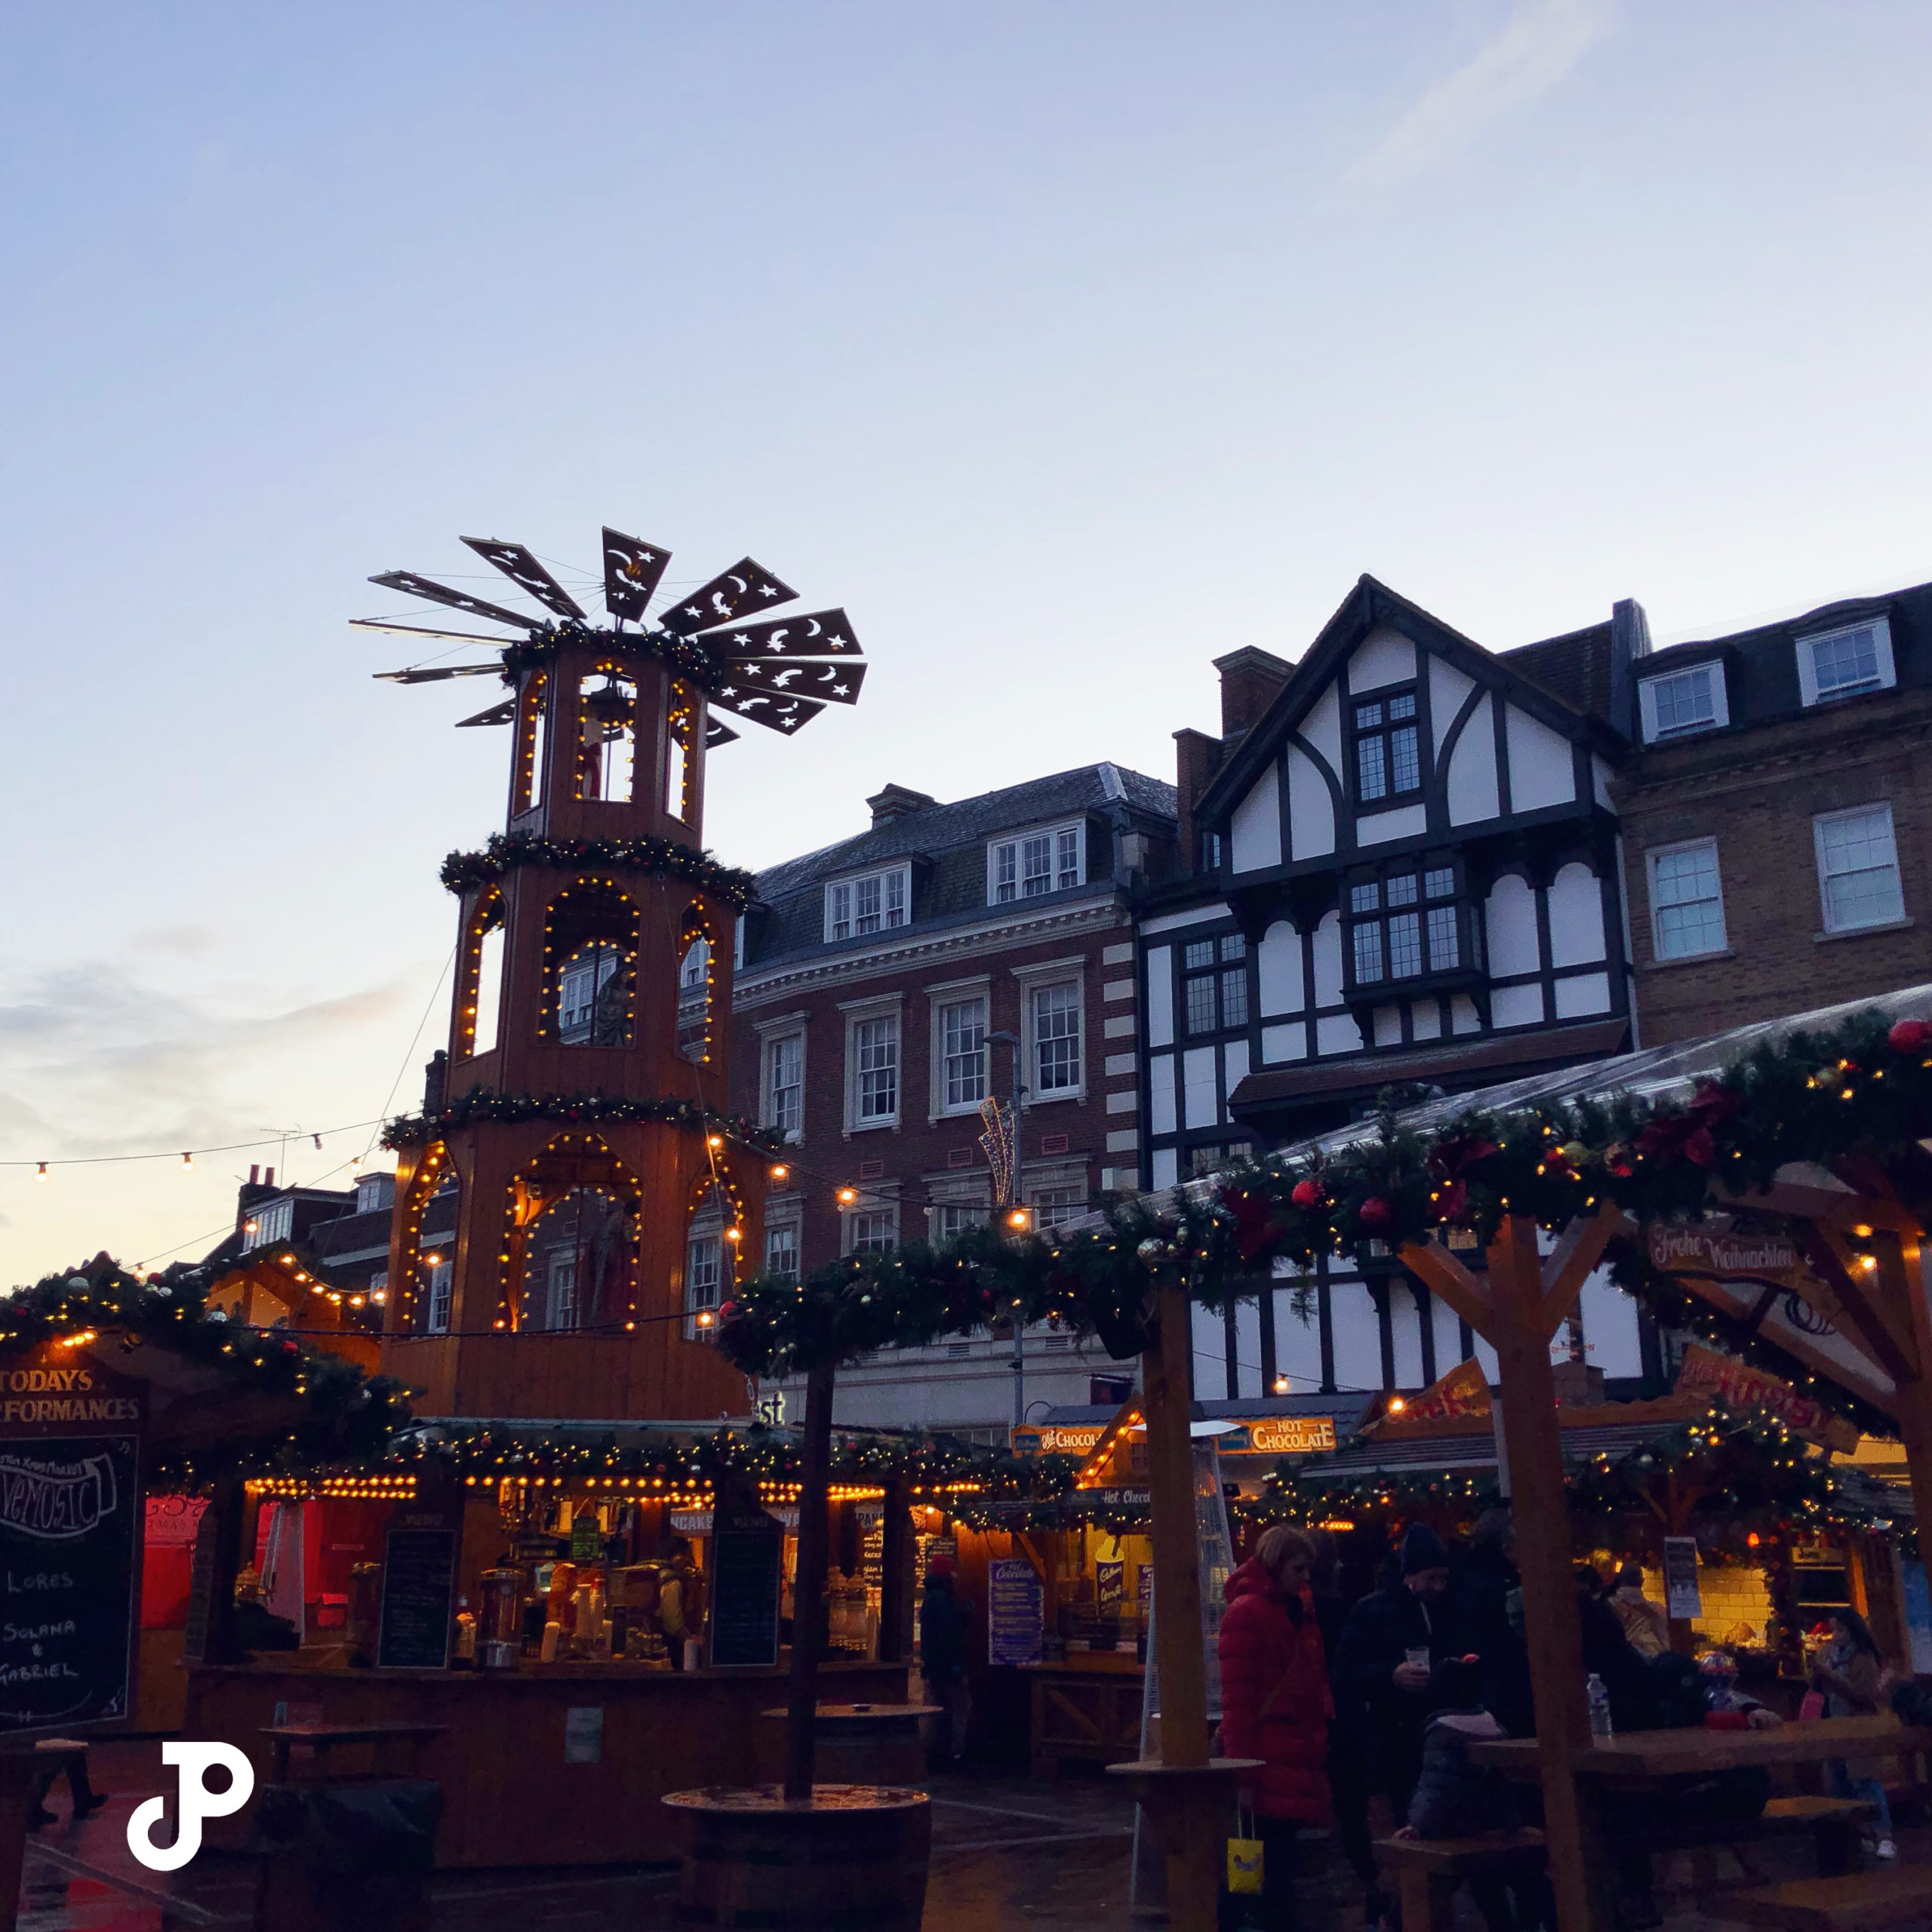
{"points": [[872, 903], [1844, 663], [1686, 901], [1858, 868], [1029, 864], [785, 1084]]}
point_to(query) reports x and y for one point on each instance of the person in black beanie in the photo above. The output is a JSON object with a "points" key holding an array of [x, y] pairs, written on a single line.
{"points": [[1387, 1665]]}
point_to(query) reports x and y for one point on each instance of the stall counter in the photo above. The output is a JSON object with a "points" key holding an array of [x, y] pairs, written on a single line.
{"points": [[510, 1796], [1086, 1709]]}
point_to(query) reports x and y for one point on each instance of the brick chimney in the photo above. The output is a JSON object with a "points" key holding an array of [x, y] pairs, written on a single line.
{"points": [[898, 802], [1197, 757], [1251, 680]]}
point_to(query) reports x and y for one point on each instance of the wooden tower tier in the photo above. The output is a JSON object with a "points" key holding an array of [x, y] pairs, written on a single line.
{"points": [[600, 1213]]}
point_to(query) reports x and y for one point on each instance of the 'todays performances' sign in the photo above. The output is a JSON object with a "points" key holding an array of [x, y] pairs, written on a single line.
{"points": [[70, 1513]]}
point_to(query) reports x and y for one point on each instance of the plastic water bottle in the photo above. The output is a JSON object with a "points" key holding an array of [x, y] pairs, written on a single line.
{"points": [[1599, 1699]]}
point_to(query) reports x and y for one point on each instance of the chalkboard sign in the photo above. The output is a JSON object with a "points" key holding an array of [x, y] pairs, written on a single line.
{"points": [[70, 1513], [745, 1563], [1015, 1612], [419, 1587]]}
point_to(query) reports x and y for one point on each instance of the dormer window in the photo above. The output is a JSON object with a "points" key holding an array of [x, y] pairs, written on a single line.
{"points": [[874, 903], [273, 1223], [1692, 699], [1388, 748], [1034, 863], [1843, 664]]}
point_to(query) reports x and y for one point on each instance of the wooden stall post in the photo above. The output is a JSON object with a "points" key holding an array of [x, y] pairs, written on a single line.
{"points": [[1542, 1513], [808, 1585], [1517, 1311], [1169, 1403], [1187, 1798]]}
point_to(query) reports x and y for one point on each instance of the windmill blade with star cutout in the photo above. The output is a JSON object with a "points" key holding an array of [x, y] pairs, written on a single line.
{"points": [[746, 585], [434, 674], [773, 709], [520, 567], [831, 684], [413, 586], [633, 570], [817, 634]]}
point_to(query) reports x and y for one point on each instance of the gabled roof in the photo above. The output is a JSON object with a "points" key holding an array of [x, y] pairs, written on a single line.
{"points": [[938, 828], [1370, 606]]}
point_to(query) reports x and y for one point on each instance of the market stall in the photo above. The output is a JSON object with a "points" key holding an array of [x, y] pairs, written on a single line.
{"points": [[615, 1599]]}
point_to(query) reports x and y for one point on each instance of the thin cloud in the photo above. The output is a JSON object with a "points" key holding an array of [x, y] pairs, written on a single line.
{"points": [[1543, 43]]}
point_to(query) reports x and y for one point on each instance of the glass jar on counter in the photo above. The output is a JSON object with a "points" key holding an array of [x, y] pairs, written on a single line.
{"points": [[500, 1619]]}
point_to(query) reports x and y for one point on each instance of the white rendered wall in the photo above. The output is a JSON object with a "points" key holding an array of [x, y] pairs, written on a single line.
{"points": [[1510, 920], [1310, 809], [1160, 996], [1576, 917], [1472, 793], [1257, 826], [1541, 771], [1278, 964], [1385, 656]]}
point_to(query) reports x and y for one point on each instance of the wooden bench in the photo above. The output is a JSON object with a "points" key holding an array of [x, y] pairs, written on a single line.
{"points": [[1833, 1823], [1848, 1903], [1428, 1872]]}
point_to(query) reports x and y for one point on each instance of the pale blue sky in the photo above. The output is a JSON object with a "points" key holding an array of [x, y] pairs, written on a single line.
{"points": [[1068, 345]]}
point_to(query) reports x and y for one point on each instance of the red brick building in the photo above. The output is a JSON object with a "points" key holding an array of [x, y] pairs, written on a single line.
{"points": [[887, 986], [1777, 817]]}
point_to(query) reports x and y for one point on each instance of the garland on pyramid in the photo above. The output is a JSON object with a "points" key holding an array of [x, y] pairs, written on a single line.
{"points": [[346, 1416], [504, 851], [1863, 1089], [689, 657]]}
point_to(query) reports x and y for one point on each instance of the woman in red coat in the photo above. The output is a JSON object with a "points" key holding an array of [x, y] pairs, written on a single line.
{"points": [[1275, 1706]]}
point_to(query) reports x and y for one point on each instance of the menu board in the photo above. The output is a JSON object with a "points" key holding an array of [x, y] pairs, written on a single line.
{"points": [[419, 1590], [746, 1559], [70, 1508], [1016, 1612], [1683, 1599]]}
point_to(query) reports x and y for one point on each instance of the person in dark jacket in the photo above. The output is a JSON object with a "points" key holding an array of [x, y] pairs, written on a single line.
{"points": [[944, 1621], [1275, 1706], [1487, 1582], [1395, 1640]]}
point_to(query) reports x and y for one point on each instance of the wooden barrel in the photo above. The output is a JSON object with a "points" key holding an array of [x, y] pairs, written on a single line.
{"points": [[853, 1744], [853, 1856]]}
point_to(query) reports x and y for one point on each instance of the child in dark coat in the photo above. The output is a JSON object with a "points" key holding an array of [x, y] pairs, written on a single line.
{"points": [[1455, 1799]]}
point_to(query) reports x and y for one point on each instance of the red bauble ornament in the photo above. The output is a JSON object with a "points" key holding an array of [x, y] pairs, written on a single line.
{"points": [[1306, 1194], [1375, 1213], [1910, 1036], [726, 1312]]}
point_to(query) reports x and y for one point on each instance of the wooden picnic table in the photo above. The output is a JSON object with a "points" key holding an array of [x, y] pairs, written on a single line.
{"points": [[1640, 1760], [1640, 1757]]}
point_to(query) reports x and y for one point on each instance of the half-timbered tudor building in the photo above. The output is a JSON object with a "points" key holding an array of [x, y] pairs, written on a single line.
{"points": [[1405, 876]]}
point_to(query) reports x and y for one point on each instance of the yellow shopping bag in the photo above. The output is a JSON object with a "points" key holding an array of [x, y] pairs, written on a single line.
{"points": [[1245, 1855]]}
